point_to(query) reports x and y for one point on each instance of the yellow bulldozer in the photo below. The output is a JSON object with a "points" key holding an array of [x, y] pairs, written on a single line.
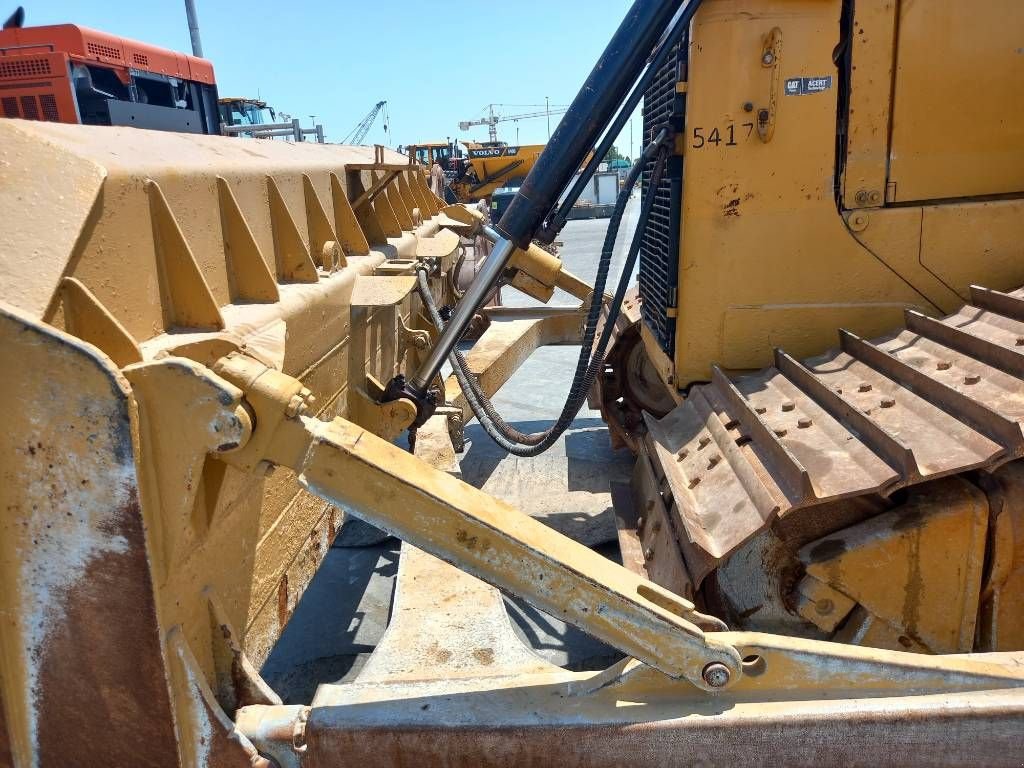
{"points": [[211, 348]]}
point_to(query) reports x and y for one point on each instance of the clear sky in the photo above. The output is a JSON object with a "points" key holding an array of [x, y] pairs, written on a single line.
{"points": [[435, 63]]}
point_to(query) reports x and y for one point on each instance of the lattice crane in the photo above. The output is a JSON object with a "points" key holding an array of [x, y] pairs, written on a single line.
{"points": [[358, 133]]}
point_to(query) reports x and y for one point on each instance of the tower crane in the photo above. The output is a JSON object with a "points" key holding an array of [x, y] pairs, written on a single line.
{"points": [[358, 133], [492, 119]]}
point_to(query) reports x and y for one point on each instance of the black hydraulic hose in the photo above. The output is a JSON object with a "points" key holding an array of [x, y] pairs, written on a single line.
{"points": [[594, 107], [591, 359], [558, 217]]}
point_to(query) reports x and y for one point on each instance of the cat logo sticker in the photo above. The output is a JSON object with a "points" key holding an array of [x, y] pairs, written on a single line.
{"points": [[802, 86]]}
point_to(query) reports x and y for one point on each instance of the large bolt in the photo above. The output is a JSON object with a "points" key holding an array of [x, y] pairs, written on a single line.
{"points": [[299, 404], [716, 675], [768, 58]]}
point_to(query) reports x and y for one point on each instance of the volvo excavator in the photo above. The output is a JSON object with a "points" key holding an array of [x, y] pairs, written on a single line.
{"points": [[216, 350]]}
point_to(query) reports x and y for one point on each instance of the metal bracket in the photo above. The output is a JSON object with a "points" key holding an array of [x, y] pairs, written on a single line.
{"points": [[411, 338], [487, 538], [771, 53]]}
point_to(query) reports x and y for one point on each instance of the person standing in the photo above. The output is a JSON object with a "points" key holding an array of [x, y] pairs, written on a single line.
{"points": [[437, 180]]}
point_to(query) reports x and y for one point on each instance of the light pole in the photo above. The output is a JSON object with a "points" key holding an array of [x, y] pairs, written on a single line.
{"points": [[547, 108], [193, 27]]}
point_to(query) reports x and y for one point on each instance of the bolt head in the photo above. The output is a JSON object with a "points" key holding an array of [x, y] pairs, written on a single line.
{"points": [[716, 675], [768, 58]]}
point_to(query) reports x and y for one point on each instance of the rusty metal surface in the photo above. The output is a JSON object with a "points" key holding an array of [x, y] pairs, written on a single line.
{"points": [[1001, 621], [72, 536], [630, 385], [940, 398], [804, 703], [944, 732]]}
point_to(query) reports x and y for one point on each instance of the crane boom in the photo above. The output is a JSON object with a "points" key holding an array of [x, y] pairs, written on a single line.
{"points": [[358, 133]]}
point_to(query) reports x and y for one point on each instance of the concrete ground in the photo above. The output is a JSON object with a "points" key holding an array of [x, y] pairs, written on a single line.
{"points": [[344, 612]]}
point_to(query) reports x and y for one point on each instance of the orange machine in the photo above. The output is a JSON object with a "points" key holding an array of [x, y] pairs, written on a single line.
{"points": [[69, 74]]}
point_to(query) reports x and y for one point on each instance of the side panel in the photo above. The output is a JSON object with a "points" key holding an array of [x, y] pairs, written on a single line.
{"points": [[770, 252], [155, 118], [958, 113], [762, 245], [34, 85]]}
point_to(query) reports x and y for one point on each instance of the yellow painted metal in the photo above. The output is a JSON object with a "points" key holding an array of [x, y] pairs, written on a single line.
{"points": [[765, 257], [173, 252], [543, 272], [441, 515], [873, 47], [957, 129], [917, 569], [171, 343]]}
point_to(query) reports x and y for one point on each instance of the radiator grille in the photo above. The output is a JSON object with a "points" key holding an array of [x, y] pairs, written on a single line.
{"points": [[29, 108], [24, 68], [98, 49], [10, 104], [140, 59], [659, 248], [49, 105]]}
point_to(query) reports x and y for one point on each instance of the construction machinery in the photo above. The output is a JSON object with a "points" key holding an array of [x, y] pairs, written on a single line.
{"points": [[69, 74], [359, 132], [475, 173], [255, 119], [210, 348]]}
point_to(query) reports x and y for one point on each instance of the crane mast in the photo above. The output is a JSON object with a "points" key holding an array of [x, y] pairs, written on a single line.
{"points": [[492, 119], [358, 133]]}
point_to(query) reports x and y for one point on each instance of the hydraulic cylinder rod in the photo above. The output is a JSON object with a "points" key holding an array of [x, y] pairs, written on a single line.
{"points": [[595, 105]]}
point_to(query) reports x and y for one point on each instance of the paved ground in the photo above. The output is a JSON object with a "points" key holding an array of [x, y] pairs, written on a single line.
{"points": [[345, 610]]}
